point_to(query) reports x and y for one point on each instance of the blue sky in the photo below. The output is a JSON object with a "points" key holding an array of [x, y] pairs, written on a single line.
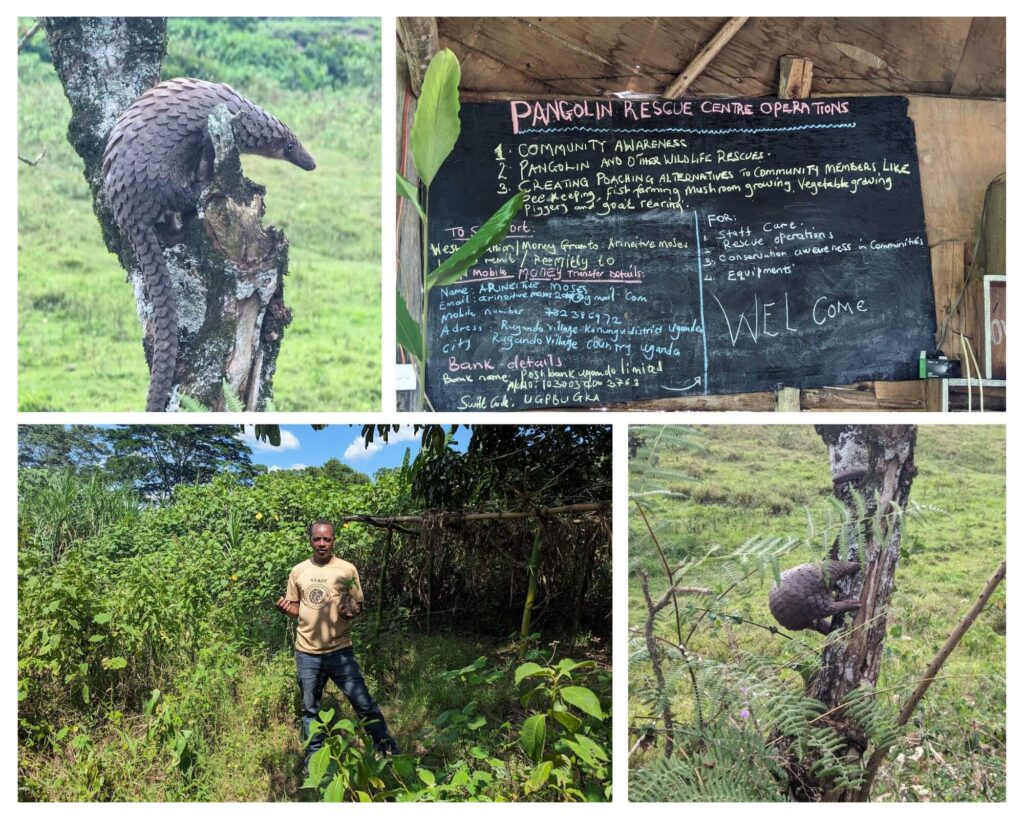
{"points": [[302, 446]]}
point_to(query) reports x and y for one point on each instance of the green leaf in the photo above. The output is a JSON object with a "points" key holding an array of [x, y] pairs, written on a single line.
{"points": [[436, 126], [408, 190], [587, 750], [570, 722], [190, 404], [232, 403], [531, 736], [85, 693], [318, 764], [326, 716], [540, 775], [114, 663], [97, 638], [407, 329], [491, 232], [427, 776], [539, 688], [567, 666], [583, 698], [529, 670], [403, 766], [102, 618], [335, 792]]}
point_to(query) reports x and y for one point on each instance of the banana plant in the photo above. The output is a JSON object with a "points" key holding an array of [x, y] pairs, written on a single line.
{"points": [[435, 130]]}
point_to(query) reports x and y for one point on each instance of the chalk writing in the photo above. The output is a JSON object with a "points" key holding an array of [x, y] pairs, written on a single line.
{"points": [[679, 248]]}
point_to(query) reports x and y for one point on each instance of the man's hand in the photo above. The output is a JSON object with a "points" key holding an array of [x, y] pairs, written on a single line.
{"points": [[349, 608], [289, 607]]}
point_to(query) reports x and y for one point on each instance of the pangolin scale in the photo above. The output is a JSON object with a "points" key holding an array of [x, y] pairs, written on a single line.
{"points": [[157, 161], [803, 597]]}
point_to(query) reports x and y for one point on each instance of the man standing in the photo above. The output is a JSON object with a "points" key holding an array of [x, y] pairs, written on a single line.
{"points": [[324, 594]]}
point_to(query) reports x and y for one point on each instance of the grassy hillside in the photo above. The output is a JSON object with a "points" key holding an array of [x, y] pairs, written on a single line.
{"points": [[731, 483], [79, 336]]}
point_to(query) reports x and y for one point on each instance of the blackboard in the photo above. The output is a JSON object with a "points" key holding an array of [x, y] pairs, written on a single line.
{"points": [[677, 248]]}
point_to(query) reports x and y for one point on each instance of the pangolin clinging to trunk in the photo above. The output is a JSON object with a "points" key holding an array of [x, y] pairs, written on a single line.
{"points": [[157, 161], [803, 598]]}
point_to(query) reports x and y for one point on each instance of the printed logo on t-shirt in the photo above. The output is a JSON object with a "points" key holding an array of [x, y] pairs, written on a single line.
{"points": [[316, 595]]}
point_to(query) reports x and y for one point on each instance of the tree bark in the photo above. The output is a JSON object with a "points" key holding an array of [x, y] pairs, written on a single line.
{"points": [[227, 268], [876, 465]]}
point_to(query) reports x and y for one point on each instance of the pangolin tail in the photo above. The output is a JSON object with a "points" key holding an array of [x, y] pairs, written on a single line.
{"points": [[165, 315]]}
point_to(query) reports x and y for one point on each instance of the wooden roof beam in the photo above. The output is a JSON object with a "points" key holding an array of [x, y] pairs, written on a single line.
{"points": [[704, 56]]}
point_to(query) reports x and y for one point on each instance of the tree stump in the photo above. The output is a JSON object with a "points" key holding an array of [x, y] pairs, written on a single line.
{"points": [[227, 269], [872, 466]]}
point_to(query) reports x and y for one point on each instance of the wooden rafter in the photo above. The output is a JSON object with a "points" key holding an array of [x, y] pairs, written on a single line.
{"points": [[679, 85], [395, 521]]}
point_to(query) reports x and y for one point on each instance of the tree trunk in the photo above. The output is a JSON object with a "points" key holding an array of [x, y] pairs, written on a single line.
{"points": [[872, 466], [380, 585], [532, 570], [227, 269]]}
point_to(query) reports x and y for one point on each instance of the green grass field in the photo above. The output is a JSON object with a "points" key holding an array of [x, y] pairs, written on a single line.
{"points": [[79, 336], [736, 482]]}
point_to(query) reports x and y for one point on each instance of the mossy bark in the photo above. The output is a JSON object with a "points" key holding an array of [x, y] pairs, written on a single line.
{"points": [[227, 269]]}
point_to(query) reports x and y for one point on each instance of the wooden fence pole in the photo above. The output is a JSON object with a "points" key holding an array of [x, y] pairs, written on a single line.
{"points": [[531, 588], [380, 584]]}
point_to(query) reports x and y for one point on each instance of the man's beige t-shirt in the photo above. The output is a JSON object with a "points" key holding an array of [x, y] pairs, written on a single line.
{"points": [[319, 590]]}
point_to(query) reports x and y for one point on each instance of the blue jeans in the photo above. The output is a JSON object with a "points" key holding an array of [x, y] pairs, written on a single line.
{"points": [[313, 671]]}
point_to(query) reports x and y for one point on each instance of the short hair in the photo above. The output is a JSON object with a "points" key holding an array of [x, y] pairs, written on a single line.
{"points": [[320, 522]]}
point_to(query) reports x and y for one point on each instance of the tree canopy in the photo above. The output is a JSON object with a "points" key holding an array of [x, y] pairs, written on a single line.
{"points": [[149, 457]]}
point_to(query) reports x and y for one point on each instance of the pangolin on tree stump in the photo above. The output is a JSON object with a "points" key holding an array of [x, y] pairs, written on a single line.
{"points": [[158, 160], [803, 597]]}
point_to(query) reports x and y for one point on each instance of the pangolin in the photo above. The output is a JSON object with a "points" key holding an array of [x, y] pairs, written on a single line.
{"points": [[157, 161], [803, 597]]}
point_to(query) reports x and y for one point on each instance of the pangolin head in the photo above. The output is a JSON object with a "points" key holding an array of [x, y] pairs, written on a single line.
{"points": [[264, 134]]}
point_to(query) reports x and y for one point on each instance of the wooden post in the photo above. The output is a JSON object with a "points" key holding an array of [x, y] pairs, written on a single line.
{"points": [[531, 589], [430, 585], [795, 74], [704, 56], [947, 282], [381, 582], [420, 41]]}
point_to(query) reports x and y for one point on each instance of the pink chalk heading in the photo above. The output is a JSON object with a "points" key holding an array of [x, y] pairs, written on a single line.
{"points": [[534, 113]]}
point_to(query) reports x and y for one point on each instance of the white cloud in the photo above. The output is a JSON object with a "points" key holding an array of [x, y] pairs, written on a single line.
{"points": [[356, 451], [276, 468], [288, 441]]}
